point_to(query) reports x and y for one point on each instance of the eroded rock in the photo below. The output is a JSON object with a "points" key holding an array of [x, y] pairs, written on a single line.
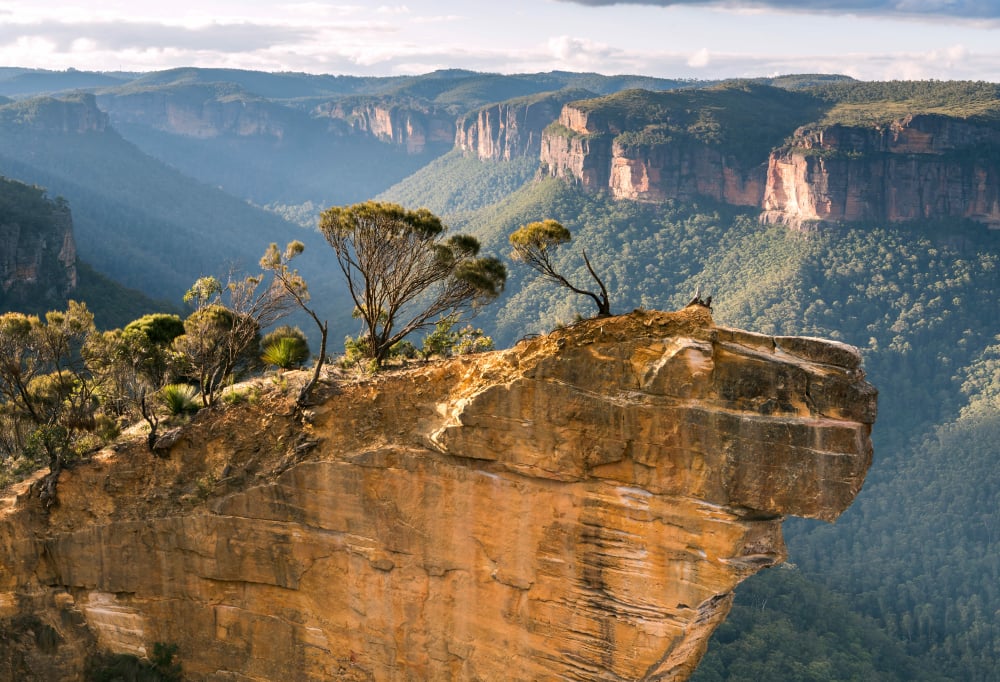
{"points": [[579, 507]]}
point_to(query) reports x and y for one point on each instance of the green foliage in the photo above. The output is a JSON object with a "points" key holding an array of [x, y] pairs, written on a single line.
{"points": [[285, 353], [403, 273], [785, 627], [445, 341], [159, 329], [179, 399], [285, 347], [879, 102]]}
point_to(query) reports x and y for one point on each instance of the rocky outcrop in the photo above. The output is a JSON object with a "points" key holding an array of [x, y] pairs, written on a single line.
{"points": [[914, 168], [407, 123], [579, 507], [37, 249], [594, 154], [71, 114], [512, 129], [201, 111]]}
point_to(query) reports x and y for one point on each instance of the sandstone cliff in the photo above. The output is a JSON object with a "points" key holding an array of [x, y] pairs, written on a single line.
{"points": [[71, 114], [37, 249], [579, 507], [408, 123], [512, 129], [921, 166], [686, 144], [926, 166], [201, 111]]}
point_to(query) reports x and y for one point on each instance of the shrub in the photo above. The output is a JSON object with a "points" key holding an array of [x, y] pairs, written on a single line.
{"points": [[180, 399]]}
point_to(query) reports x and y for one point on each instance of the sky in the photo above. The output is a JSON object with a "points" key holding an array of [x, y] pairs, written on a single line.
{"points": [[707, 39]]}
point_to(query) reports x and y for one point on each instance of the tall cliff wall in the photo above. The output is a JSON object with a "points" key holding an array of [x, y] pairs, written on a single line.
{"points": [[37, 249], [201, 111], [512, 129], [923, 166], [593, 154], [916, 167], [411, 125], [579, 507], [70, 114]]}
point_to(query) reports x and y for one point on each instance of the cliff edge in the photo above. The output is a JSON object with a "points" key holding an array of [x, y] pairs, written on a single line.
{"points": [[578, 507]]}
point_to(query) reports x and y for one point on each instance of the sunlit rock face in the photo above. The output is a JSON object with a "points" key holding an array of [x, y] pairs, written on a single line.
{"points": [[918, 167], [582, 148], [578, 507], [512, 129]]}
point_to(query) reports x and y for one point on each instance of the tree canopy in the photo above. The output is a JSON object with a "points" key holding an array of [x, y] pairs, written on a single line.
{"points": [[403, 272], [534, 243]]}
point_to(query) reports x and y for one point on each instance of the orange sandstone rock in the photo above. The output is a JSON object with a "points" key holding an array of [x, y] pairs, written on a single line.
{"points": [[578, 507]]}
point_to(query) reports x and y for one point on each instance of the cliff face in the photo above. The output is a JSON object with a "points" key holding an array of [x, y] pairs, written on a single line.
{"points": [[584, 149], [925, 166], [37, 249], [71, 114], [512, 129], [412, 126], [916, 167], [579, 507], [199, 112]]}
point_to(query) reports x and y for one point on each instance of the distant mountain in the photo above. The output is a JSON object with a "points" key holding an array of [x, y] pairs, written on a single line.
{"points": [[136, 219], [17, 82]]}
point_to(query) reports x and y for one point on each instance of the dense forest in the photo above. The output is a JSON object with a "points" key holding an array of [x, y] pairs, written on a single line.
{"points": [[905, 585]]}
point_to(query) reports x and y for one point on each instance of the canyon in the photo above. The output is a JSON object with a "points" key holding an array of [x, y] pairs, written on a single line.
{"points": [[578, 507]]}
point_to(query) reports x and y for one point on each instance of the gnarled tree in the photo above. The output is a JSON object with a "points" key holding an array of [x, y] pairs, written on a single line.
{"points": [[403, 273], [534, 244]]}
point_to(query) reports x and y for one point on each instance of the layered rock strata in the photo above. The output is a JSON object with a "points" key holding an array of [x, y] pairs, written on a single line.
{"points": [[512, 129], [918, 167], [588, 151], [579, 507], [413, 126]]}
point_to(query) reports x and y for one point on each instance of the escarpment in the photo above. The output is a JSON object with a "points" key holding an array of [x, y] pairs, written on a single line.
{"points": [[512, 129], [201, 111], [918, 166], [578, 507], [37, 248], [410, 124]]}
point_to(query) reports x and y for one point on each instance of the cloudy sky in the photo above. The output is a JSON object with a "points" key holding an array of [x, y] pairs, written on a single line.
{"points": [[868, 39]]}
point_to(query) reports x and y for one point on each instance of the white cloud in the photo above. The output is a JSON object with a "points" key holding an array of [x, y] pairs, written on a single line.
{"points": [[700, 59]]}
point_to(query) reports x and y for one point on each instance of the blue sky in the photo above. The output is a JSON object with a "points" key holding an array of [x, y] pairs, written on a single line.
{"points": [[868, 39]]}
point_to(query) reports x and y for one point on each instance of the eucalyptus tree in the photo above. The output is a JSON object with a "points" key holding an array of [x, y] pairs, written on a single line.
{"points": [[404, 272], [534, 245]]}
